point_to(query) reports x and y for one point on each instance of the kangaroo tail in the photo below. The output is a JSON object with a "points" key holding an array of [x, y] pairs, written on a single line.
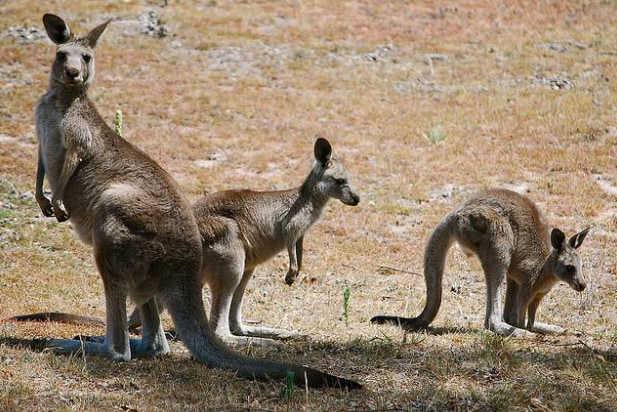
{"points": [[184, 303], [58, 317], [434, 261]]}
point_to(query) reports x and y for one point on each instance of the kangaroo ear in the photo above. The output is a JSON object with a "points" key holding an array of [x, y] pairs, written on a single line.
{"points": [[577, 240], [95, 33], [57, 30], [323, 151], [557, 238]]}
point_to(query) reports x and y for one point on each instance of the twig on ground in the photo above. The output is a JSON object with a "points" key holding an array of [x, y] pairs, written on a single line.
{"points": [[399, 270]]}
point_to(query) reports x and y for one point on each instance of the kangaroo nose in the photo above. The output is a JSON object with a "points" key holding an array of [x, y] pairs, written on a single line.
{"points": [[351, 199], [72, 72]]}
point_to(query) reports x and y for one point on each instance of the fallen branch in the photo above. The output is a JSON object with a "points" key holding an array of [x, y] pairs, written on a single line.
{"points": [[399, 270]]}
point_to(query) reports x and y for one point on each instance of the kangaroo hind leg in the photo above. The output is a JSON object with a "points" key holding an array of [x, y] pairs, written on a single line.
{"points": [[539, 327], [224, 275], [495, 258], [115, 344], [511, 310], [235, 317], [122, 261], [153, 341]]}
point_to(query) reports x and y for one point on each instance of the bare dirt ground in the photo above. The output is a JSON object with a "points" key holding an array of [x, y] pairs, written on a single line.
{"points": [[426, 102]]}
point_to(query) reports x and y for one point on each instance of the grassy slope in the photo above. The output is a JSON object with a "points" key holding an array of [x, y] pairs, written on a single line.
{"points": [[426, 103]]}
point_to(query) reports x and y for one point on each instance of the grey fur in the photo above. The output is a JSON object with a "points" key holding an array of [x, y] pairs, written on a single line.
{"points": [[242, 229], [145, 238], [514, 242]]}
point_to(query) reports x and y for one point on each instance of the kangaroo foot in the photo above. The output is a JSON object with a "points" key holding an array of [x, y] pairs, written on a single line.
{"points": [[547, 329], [504, 329], [243, 341], [272, 333]]}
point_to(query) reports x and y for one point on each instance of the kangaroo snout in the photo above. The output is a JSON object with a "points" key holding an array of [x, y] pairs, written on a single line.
{"points": [[579, 285], [72, 74], [353, 199]]}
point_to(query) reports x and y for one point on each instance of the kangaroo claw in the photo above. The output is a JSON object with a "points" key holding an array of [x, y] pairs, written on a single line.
{"points": [[61, 215], [291, 277], [46, 207], [48, 211]]}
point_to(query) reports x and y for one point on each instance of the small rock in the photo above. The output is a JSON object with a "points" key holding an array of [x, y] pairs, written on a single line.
{"points": [[554, 82], [25, 34], [558, 47], [153, 26], [437, 57], [578, 45], [217, 156], [382, 52], [27, 195]]}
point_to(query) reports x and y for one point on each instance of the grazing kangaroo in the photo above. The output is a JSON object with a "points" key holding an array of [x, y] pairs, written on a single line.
{"points": [[512, 239], [243, 228], [145, 238]]}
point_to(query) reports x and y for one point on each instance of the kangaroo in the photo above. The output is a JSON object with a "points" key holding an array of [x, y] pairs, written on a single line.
{"points": [[513, 240], [145, 238], [243, 228]]}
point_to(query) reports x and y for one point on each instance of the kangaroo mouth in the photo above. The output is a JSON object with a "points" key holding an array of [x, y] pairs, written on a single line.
{"points": [[73, 82]]}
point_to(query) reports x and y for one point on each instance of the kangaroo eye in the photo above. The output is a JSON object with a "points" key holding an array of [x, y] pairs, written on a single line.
{"points": [[340, 181], [87, 58], [570, 268]]}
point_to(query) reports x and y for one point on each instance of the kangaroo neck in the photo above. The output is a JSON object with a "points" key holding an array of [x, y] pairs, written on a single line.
{"points": [[66, 96], [546, 271], [309, 202]]}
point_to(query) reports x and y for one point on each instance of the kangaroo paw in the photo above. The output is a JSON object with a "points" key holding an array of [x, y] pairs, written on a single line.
{"points": [[61, 214], [46, 208]]}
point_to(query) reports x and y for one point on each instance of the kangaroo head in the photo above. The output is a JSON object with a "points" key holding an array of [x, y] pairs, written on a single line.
{"points": [[334, 179], [74, 63], [568, 265]]}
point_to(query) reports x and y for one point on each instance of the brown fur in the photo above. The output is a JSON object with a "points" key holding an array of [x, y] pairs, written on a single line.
{"points": [[145, 238], [512, 239], [243, 228]]}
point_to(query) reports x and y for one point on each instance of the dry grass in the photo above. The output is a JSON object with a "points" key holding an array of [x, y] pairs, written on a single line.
{"points": [[426, 102]]}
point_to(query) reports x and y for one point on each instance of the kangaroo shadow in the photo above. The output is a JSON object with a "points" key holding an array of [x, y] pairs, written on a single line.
{"points": [[437, 330], [32, 344]]}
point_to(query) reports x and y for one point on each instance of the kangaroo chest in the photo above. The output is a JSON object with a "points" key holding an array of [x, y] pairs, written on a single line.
{"points": [[49, 133], [262, 242], [268, 236], [60, 129]]}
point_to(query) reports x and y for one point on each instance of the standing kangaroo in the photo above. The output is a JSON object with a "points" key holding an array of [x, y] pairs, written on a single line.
{"points": [[243, 228], [512, 239], [145, 238]]}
